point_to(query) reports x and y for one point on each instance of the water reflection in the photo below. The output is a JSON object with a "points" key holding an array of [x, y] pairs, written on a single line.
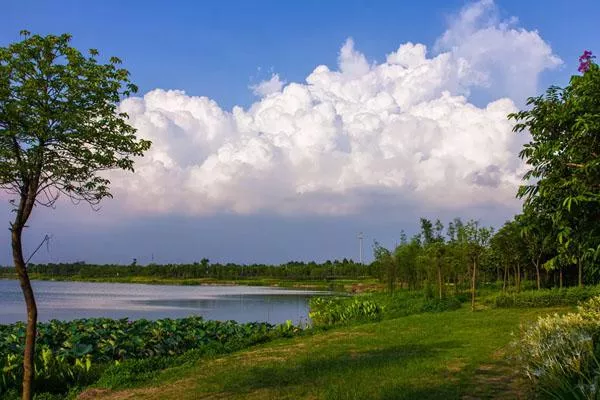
{"points": [[72, 300]]}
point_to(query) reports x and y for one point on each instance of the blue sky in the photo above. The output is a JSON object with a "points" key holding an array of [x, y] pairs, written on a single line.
{"points": [[215, 48], [220, 49]]}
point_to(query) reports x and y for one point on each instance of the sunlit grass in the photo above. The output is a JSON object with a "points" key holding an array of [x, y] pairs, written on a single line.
{"points": [[428, 356]]}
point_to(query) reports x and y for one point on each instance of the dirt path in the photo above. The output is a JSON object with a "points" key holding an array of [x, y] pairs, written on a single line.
{"points": [[499, 380]]}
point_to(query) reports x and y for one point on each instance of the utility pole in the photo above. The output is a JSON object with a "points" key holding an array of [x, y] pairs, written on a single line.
{"points": [[360, 247]]}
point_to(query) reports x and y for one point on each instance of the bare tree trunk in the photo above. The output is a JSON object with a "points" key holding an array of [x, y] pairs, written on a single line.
{"points": [[440, 283], [505, 279], [560, 277], [473, 286], [29, 353], [518, 277], [580, 269], [26, 203], [537, 272]]}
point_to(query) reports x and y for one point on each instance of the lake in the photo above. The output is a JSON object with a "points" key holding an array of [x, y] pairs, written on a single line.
{"points": [[73, 300]]}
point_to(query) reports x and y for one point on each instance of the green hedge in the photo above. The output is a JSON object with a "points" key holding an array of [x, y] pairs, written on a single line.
{"points": [[545, 297]]}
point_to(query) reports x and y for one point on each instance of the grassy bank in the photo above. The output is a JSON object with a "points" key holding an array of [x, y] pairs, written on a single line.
{"points": [[434, 356]]}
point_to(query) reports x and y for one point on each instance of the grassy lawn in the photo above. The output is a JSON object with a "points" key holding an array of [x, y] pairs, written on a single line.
{"points": [[450, 355]]}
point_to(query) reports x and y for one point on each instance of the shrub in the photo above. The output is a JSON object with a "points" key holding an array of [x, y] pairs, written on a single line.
{"points": [[338, 311], [437, 305], [545, 297], [559, 353]]}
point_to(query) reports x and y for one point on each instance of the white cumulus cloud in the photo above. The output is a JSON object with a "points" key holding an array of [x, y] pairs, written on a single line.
{"points": [[403, 130], [268, 87], [507, 59]]}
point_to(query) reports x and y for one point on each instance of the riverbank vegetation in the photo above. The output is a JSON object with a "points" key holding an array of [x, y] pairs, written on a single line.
{"points": [[120, 354], [448, 355], [76, 353]]}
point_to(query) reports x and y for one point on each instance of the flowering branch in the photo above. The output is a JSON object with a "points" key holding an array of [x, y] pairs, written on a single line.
{"points": [[585, 60]]}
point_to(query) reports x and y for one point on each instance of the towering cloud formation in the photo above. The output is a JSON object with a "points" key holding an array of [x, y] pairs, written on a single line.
{"points": [[403, 130]]}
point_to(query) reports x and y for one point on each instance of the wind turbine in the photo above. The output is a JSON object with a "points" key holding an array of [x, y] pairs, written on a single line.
{"points": [[360, 247]]}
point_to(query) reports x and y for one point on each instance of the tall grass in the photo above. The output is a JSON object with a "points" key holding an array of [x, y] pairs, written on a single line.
{"points": [[560, 353]]}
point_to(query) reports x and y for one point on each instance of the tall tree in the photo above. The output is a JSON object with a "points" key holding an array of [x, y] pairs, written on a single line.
{"points": [[536, 231], [59, 129], [385, 261], [564, 160], [435, 250], [477, 241], [406, 255], [509, 248]]}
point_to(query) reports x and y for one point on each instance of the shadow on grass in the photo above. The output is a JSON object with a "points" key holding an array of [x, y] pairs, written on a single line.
{"points": [[332, 374]]}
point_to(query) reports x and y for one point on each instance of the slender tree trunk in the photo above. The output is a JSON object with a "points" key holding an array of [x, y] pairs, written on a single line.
{"points": [[537, 272], [518, 277], [505, 279], [560, 278], [440, 283], [29, 353], [580, 269], [23, 211], [473, 286]]}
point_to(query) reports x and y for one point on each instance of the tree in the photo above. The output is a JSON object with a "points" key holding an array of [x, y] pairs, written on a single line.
{"points": [[387, 264], [406, 255], [536, 231], [509, 248], [564, 160], [434, 250], [59, 130], [457, 252], [477, 240]]}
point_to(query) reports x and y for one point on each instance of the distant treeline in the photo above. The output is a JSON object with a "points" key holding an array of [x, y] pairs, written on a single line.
{"points": [[292, 270]]}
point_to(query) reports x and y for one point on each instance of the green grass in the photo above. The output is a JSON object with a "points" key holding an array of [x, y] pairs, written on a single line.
{"points": [[427, 356]]}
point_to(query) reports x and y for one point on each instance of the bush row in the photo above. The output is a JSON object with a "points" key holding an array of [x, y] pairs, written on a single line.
{"points": [[545, 297], [331, 311]]}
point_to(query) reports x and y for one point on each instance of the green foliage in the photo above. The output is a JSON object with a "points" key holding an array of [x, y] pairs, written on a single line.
{"points": [[565, 166], [560, 353], [59, 121], [293, 270], [330, 311], [402, 304], [76, 352], [440, 305], [60, 129], [545, 297]]}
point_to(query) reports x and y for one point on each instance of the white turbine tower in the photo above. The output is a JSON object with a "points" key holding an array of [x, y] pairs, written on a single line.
{"points": [[360, 247]]}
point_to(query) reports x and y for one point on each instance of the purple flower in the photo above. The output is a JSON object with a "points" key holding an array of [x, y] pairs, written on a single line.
{"points": [[585, 60]]}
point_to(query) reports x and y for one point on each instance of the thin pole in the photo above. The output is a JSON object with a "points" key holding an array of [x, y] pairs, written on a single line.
{"points": [[360, 247], [45, 240]]}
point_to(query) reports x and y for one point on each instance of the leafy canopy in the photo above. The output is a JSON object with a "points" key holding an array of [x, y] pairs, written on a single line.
{"points": [[564, 159], [59, 121]]}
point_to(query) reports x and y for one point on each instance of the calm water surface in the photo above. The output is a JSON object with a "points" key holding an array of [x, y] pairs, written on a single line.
{"points": [[72, 300]]}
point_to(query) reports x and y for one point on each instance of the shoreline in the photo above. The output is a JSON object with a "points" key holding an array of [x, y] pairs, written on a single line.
{"points": [[341, 285]]}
